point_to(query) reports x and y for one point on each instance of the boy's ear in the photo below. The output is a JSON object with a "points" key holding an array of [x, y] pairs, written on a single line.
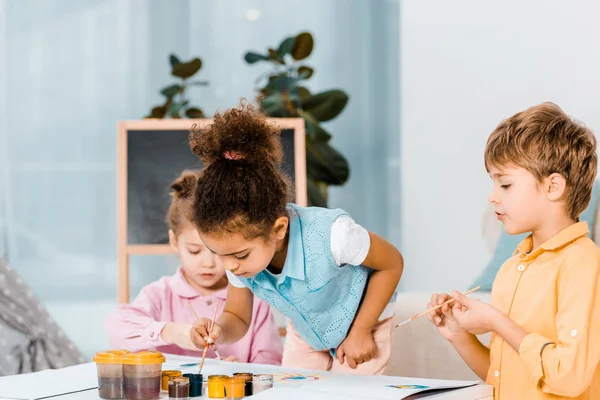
{"points": [[280, 228], [173, 241], [555, 186]]}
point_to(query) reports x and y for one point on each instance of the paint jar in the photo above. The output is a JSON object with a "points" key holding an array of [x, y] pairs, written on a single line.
{"points": [[261, 382], [166, 376], [235, 388], [248, 379], [179, 388], [142, 375], [195, 384], [216, 386], [110, 373]]}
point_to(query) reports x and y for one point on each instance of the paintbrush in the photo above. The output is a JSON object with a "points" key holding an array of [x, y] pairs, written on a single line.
{"points": [[434, 308], [197, 317], [209, 332]]}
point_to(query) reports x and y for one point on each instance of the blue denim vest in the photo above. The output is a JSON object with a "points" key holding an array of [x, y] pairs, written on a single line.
{"points": [[319, 297]]}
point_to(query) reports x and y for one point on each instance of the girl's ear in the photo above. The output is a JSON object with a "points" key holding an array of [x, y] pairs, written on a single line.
{"points": [[280, 227]]}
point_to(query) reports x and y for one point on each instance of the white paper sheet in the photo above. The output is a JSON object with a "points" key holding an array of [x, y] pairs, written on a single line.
{"points": [[381, 387], [295, 393], [49, 383]]}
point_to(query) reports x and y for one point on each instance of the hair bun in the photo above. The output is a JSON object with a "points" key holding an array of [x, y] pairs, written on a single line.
{"points": [[240, 134], [185, 185]]}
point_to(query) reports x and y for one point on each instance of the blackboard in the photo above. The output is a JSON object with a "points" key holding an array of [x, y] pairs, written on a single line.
{"points": [[153, 153], [155, 159]]}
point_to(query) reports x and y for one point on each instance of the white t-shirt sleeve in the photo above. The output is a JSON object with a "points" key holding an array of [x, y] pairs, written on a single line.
{"points": [[350, 242], [233, 280]]}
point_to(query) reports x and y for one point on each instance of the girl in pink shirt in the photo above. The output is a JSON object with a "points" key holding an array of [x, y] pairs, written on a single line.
{"points": [[161, 317]]}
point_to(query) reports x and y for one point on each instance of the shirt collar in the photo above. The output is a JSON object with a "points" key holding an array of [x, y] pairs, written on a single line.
{"points": [[293, 266], [182, 288], [294, 260], [561, 239]]}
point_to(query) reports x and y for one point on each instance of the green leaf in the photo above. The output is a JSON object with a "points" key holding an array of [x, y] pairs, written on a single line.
{"points": [[303, 46], [282, 83], [170, 91], [286, 46], [175, 108], [321, 135], [185, 70], [315, 194], [326, 164], [158, 112], [198, 83], [303, 92], [327, 105], [274, 56], [252, 57], [313, 129], [194, 112], [305, 72], [174, 60], [274, 105]]}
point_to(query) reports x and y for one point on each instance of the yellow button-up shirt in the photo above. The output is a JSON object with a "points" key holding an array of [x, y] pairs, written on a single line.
{"points": [[553, 292]]}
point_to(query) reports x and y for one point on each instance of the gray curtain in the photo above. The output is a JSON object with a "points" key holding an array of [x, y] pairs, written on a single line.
{"points": [[29, 339]]}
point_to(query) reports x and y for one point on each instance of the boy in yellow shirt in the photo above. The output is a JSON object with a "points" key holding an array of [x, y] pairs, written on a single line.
{"points": [[545, 311]]}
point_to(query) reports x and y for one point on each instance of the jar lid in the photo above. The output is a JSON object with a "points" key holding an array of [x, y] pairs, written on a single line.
{"points": [[218, 377], [171, 372], [193, 377], [179, 382], [144, 358], [110, 356], [263, 377]]}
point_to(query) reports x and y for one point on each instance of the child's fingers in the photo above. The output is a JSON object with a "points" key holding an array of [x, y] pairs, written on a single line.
{"points": [[351, 362], [447, 311], [457, 306], [433, 316], [215, 334], [199, 332], [339, 353], [436, 315], [200, 328]]}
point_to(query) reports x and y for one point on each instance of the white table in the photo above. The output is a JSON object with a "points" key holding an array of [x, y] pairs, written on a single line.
{"points": [[87, 373], [479, 392]]}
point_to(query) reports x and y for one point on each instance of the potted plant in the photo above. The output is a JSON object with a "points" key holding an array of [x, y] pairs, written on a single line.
{"points": [[175, 99], [282, 94]]}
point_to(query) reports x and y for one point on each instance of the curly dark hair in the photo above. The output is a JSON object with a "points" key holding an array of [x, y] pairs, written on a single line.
{"points": [[242, 188]]}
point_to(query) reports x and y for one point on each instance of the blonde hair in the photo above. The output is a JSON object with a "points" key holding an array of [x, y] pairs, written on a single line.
{"points": [[544, 140]]}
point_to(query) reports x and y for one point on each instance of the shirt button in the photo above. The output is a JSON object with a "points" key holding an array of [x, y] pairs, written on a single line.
{"points": [[574, 332], [496, 373], [208, 302], [521, 268], [151, 334]]}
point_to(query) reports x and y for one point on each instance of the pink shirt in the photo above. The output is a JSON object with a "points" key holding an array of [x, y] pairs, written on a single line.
{"points": [[137, 326]]}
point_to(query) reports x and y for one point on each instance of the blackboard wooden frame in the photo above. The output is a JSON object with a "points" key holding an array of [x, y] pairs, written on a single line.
{"points": [[124, 249]]}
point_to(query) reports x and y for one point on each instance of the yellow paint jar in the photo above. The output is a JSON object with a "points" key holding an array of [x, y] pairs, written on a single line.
{"points": [[235, 388], [216, 386]]}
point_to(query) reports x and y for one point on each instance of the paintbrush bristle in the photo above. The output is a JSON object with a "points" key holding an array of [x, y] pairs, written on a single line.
{"points": [[404, 322]]}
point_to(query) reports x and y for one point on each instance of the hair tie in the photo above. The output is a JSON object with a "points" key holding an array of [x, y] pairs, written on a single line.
{"points": [[233, 155]]}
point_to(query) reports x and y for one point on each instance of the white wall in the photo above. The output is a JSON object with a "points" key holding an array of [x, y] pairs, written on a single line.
{"points": [[466, 65]]}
